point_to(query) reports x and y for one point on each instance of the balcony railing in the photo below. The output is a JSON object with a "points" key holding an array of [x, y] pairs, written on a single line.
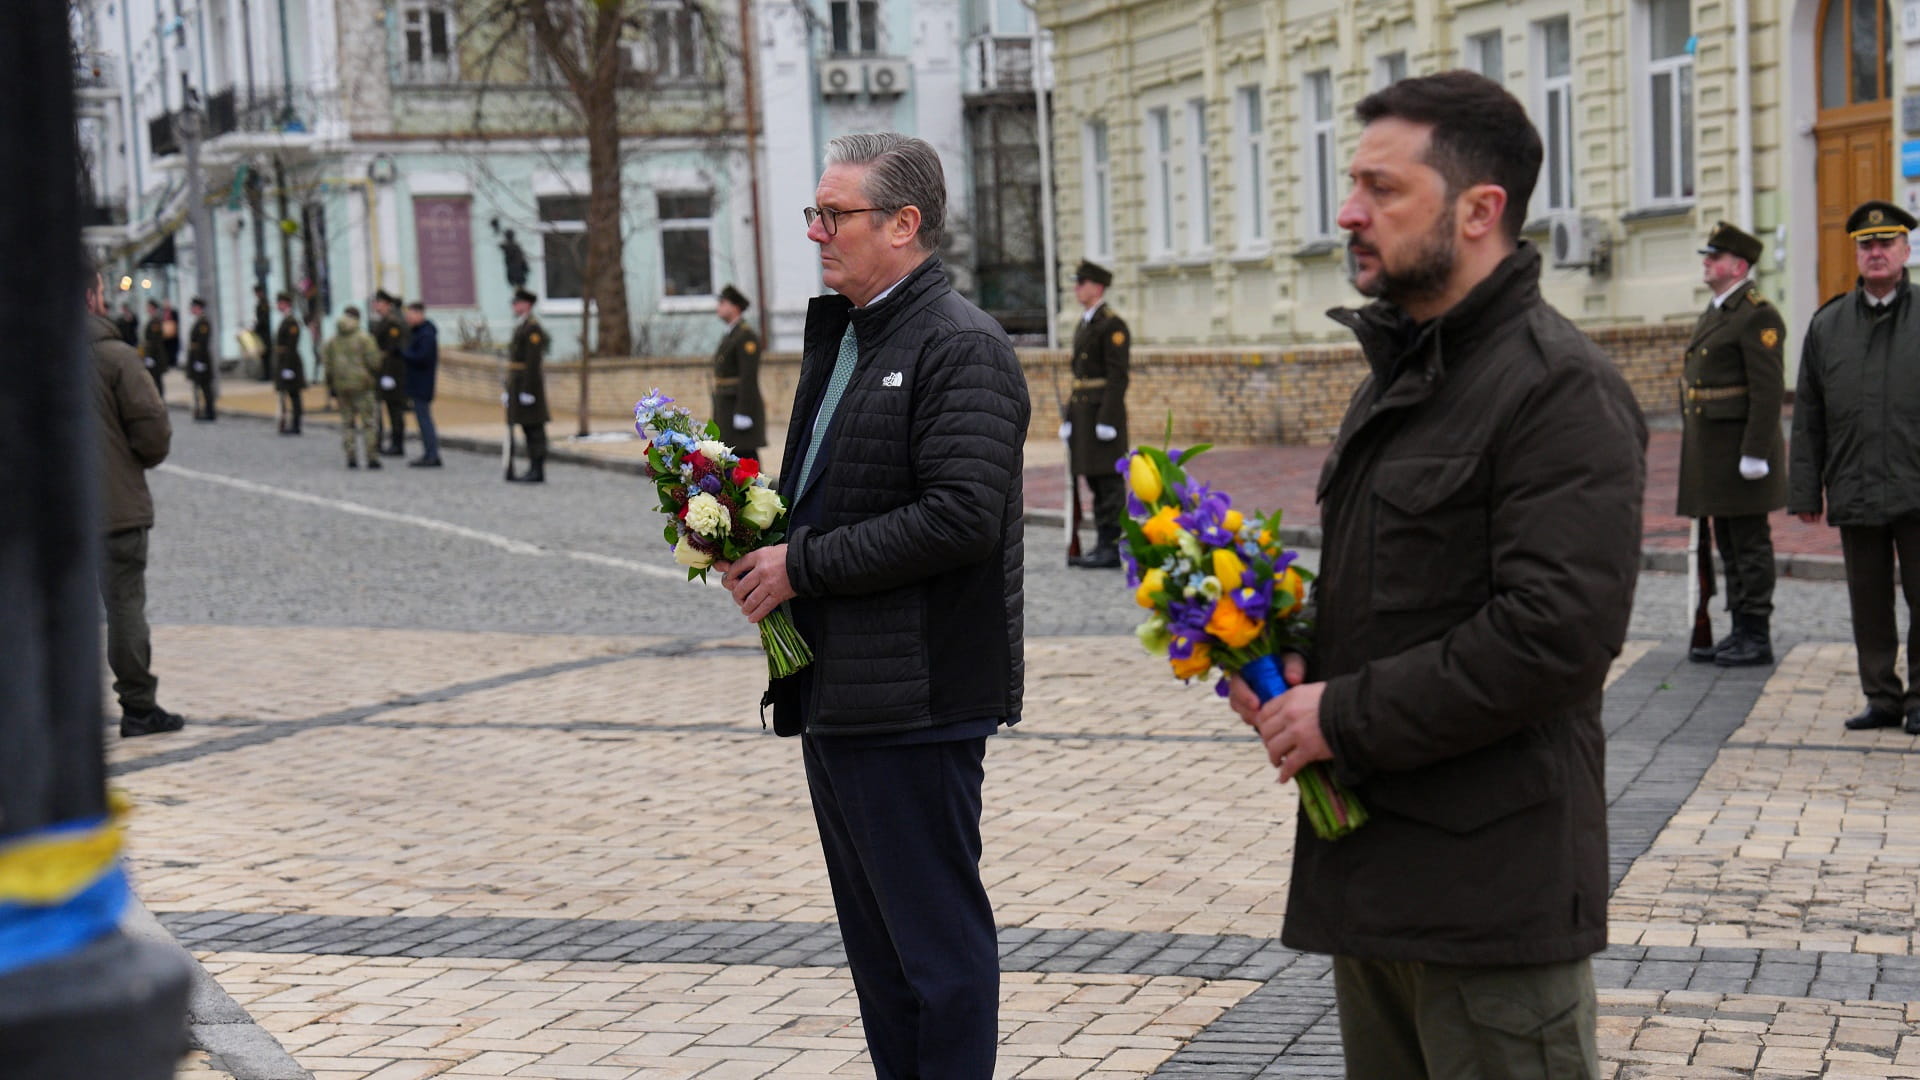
{"points": [[999, 64]]}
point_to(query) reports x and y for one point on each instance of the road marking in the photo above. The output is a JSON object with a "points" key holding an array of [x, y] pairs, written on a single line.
{"points": [[504, 543]]}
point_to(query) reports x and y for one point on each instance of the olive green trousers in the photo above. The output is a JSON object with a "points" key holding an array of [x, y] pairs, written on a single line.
{"points": [[1401, 1020]]}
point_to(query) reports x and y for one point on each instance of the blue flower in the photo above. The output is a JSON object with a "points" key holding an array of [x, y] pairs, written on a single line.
{"points": [[711, 483]]}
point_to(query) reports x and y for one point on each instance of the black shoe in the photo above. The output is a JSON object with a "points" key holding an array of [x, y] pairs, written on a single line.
{"points": [[536, 473], [152, 722], [1748, 650], [1913, 722], [352, 464], [1102, 557], [1706, 655], [392, 451], [374, 463], [1872, 717], [424, 463]]}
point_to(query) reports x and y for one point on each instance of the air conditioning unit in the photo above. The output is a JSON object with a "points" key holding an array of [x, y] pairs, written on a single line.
{"points": [[841, 78], [888, 78], [1575, 240]]}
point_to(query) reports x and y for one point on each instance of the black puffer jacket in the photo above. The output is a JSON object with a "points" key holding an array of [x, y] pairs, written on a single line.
{"points": [[906, 548], [1856, 449]]}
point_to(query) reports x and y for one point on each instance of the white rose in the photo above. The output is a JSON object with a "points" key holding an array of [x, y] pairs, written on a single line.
{"points": [[707, 517], [687, 555], [763, 507], [715, 451]]}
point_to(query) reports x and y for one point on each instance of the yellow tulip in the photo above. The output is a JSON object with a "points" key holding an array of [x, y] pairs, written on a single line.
{"points": [[1153, 581], [1160, 529], [1194, 666], [1290, 583], [1233, 522], [1231, 625], [1228, 567], [1145, 479]]}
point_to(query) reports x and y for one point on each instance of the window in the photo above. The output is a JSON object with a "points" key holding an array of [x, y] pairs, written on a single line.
{"points": [[856, 27], [1250, 180], [1389, 69], [1556, 112], [1856, 52], [672, 51], [426, 38], [1159, 183], [686, 243], [1667, 92], [1322, 180], [1097, 180], [563, 245], [443, 249], [1486, 55], [1200, 191]]}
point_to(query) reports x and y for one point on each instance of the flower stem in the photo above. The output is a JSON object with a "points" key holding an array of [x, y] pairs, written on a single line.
{"points": [[786, 650]]}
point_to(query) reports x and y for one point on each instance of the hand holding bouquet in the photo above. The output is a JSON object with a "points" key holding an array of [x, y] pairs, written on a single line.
{"points": [[719, 506], [1223, 594]]}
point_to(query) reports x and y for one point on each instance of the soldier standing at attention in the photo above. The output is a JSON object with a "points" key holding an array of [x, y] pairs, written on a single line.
{"points": [[737, 407], [351, 361], [1732, 458], [153, 346], [290, 374], [1096, 425], [391, 333], [526, 396], [200, 361]]}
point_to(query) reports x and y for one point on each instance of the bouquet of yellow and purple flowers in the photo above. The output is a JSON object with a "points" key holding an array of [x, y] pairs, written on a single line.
{"points": [[718, 505], [1221, 594]]}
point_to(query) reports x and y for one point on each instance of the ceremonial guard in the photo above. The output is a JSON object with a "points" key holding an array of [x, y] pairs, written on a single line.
{"points": [[200, 361], [289, 372], [737, 407], [1096, 421], [391, 333], [526, 394], [153, 346], [1732, 457]]}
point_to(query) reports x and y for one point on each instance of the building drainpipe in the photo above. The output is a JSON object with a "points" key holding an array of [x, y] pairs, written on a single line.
{"points": [[1743, 115], [1044, 134], [753, 167]]}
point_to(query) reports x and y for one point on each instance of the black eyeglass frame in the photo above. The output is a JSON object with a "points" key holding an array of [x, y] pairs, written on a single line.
{"points": [[832, 217]]}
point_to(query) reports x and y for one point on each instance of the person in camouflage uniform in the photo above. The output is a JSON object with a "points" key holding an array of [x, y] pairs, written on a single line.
{"points": [[351, 360]]}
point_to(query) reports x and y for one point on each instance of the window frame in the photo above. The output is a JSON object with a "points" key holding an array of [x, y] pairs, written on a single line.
{"points": [[1682, 171], [853, 28], [1156, 148], [1250, 147], [1320, 150], [1474, 53], [663, 225], [1553, 94], [430, 69], [1097, 187], [545, 228], [1200, 187], [1389, 68]]}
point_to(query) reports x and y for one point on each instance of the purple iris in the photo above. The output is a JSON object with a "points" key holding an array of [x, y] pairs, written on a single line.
{"points": [[1187, 622], [1223, 687], [1133, 567], [711, 484], [1207, 518], [1254, 597], [1285, 560], [1135, 508]]}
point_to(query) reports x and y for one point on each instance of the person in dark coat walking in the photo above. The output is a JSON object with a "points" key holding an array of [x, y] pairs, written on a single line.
{"points": [[1732, 456], [128, 324], [422, 356], [526, 393], [153, 347], [200, 372], [1856, 453], [289, 371], [737, 407], [1481, 508], [1096, 421], [391, 333], [135, 436], [902, 565]]}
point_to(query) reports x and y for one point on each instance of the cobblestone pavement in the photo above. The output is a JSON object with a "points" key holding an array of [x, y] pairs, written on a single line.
{"points": [[469, 791]]}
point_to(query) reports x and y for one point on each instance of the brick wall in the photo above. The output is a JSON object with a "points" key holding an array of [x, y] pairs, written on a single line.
{"points": [[1293, 396]]}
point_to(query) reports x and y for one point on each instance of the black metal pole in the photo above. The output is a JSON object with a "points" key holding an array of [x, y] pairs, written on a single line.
{"points": [[113, 1007]]}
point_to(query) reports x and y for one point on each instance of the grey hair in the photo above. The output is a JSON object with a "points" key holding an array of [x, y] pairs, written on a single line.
{"points": [[903, 171]]}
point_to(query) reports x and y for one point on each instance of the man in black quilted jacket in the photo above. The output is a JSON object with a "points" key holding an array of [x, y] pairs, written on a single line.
{"points": [[902, 569]]}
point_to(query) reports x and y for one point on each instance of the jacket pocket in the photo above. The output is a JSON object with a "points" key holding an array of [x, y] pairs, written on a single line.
{"points": [[1464, 794], [1527, 1022], [1429, 533], [1733, 408]]}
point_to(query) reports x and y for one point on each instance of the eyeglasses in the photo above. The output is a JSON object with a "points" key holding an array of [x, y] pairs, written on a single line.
{"points": [[830, 219]]}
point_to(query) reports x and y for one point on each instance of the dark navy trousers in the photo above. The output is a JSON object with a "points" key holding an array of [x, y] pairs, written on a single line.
{"points": [[901, 829]]}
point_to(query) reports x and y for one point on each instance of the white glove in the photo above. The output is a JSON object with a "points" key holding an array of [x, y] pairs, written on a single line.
{"points": [[1105, 433], [741, 421], [386, 382], [503, 397], [526, 398], [286, 373], [1753, 468], [149, 361], [1066, 431]]}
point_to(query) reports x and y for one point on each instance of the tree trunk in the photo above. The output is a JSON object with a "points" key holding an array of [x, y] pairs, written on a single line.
{"points": [[607, 281]]}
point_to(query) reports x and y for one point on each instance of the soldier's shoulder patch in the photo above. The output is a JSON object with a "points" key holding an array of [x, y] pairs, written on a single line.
{"points": [[1770, 337], [534, 337], [752, 347], [1119, 337]]}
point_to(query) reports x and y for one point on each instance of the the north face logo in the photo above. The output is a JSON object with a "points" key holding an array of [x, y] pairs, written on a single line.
{"points": [[893, 379]]}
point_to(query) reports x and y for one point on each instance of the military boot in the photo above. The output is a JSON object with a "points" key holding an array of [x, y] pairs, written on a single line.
{"points": [[536, 472], [1705, 655], [1106, 551], [1752, 643]]}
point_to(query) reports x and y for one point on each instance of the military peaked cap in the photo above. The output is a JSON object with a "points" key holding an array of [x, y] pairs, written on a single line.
{"points": [[283, 295], [1094, 272], [522, 294], [735, 297], [387, 296], [1734, 241], [1878, 218], [197, 302]]}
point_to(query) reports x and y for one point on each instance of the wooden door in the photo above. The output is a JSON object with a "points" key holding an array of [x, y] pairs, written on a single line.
{"points": [[1854, 132]]}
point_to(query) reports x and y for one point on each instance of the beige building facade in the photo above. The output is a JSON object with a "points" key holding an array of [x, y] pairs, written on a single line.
{"points": [[1201, 147]]}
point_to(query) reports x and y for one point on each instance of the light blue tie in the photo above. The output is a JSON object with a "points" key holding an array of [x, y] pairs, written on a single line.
{"points": [[836, 385]]}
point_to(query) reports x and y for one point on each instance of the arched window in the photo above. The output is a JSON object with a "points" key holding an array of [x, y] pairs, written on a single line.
{"points": [[1856, 52]]}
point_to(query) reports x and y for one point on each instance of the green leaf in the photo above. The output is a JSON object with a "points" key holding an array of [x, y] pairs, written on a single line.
{"points": [[672, 534], [713, 429]]}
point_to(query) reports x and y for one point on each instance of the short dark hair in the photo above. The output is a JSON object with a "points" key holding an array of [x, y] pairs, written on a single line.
{"points": [[350, 310], [1481, 134], [417, 306]]}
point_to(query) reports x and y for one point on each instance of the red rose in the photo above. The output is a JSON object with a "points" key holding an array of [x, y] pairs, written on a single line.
{"points": [[746, 470], [699, 463]]}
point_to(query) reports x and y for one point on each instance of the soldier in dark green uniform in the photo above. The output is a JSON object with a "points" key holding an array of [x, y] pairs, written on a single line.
{"points": [[153, 346], [200, 361], [526, 396], [1732, 458], [1856, 452], [1096, 427], [289, 371], [737, 407], [391, 333]]}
